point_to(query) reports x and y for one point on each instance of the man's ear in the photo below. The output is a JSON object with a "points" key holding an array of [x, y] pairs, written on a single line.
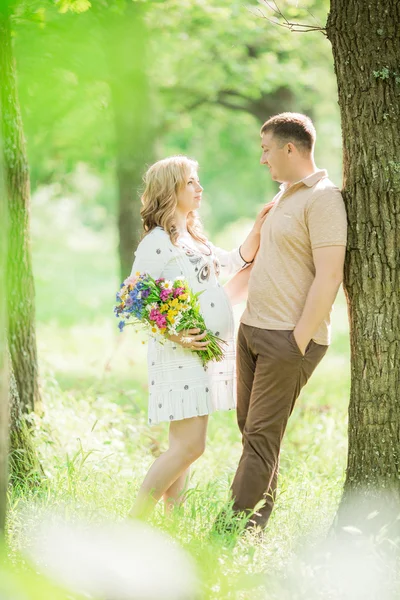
{"points": [[290, 148]]}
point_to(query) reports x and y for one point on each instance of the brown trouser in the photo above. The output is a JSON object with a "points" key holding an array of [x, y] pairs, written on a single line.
{"points": [[271, 371]]}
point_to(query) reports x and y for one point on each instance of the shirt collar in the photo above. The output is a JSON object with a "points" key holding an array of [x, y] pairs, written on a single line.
{"points": [[309, 181]]}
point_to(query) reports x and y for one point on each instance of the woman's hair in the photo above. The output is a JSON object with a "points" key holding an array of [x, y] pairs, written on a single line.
{"points": [[163, 181]]}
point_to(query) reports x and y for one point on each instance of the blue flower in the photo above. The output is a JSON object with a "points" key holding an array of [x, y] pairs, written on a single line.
{"points": [[121, 325]]}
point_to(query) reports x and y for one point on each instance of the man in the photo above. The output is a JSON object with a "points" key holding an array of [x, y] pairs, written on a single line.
{"points": [[285, 329]]}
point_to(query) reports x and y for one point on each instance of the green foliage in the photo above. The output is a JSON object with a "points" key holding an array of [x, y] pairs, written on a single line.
{"points": [[216, 71], [26, 584], [64, 95], [77, 6]]}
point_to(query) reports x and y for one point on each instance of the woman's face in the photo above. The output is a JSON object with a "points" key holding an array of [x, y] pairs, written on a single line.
{"points": [[189, 196]]}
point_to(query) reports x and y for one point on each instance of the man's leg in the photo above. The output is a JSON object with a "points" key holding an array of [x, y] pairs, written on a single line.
{"points": [[281, 371], [263, 514], [245, 367]]}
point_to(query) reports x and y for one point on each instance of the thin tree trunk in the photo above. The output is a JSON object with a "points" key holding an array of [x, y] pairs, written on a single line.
{"points": [[365, 39], [3, 347], [24, 465], [20, 285], [126, 38]]}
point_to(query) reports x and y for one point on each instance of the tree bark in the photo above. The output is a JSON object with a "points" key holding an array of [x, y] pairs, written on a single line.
{"points": [[3, 347], [365, 38], [24, 465], [126, 44], [20, 285]]}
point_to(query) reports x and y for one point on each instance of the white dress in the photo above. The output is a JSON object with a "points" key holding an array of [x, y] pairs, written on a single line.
{"points": [[179, 386]]}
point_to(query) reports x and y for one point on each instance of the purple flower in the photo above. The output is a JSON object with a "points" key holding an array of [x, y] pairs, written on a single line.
{"points": [[121, 325], [145, 293]]}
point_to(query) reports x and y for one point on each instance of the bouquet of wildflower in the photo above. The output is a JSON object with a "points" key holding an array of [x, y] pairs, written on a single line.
{"points": [[164, 308]]}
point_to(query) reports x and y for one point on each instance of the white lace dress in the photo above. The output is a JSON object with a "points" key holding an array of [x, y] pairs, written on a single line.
{"points": [[179, 386]]}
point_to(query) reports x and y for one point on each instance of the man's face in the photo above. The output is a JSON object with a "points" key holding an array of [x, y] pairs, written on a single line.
{"points": [[275, 157]]}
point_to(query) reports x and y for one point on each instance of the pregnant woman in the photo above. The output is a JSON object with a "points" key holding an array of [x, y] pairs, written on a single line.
{"points": [[181, 390]]}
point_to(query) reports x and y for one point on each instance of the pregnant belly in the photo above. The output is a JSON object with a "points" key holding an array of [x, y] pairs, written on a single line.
{"points": [[217, 312]]}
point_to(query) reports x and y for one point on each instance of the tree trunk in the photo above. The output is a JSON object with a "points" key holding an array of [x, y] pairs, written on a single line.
{"points": [[3, 347], [4, 416], [24, 465], [20, 285], [126, 46], [365, 39]]}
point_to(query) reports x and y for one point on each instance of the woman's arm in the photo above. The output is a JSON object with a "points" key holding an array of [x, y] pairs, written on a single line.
{"points": [[236, 288], [251, 244], [238, 259]]}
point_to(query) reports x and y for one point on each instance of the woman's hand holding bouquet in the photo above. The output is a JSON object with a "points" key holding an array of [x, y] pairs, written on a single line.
{"points": [[168, 310]]}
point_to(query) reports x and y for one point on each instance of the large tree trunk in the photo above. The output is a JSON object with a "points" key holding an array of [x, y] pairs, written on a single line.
{"points": [[126, 47], [365, 40], [20, 286]]}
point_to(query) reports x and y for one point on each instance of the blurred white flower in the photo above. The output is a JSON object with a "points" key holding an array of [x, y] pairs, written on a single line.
{"points": [[357, 561], [125, 561]]}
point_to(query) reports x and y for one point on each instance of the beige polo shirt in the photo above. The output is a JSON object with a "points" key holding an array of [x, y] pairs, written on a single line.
{"points": [[307, 215]]}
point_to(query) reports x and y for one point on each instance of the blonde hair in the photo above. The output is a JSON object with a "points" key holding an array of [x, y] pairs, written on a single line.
{"points": [[163, 181]]}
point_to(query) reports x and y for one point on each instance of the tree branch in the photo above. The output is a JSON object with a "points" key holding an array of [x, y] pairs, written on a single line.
{"points": [[292, 26]]}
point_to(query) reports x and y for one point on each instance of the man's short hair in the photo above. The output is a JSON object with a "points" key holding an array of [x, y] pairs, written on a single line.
{"points": [[292, 127]]}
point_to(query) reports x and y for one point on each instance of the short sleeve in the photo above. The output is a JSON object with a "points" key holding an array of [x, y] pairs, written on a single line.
{"points": [[230, 261], [152, 254], [327, 220]]}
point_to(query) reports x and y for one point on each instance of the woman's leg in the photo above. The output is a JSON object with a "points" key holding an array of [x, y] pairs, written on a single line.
{"points": [[187, 440], [176, 492]]}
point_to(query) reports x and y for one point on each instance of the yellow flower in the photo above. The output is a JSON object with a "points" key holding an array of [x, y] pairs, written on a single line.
{"points": [[174, 302], [164, 308], [183, 297]]}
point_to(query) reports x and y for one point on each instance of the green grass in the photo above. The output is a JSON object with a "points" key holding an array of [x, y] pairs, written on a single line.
{"points": [[95, 444]]}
